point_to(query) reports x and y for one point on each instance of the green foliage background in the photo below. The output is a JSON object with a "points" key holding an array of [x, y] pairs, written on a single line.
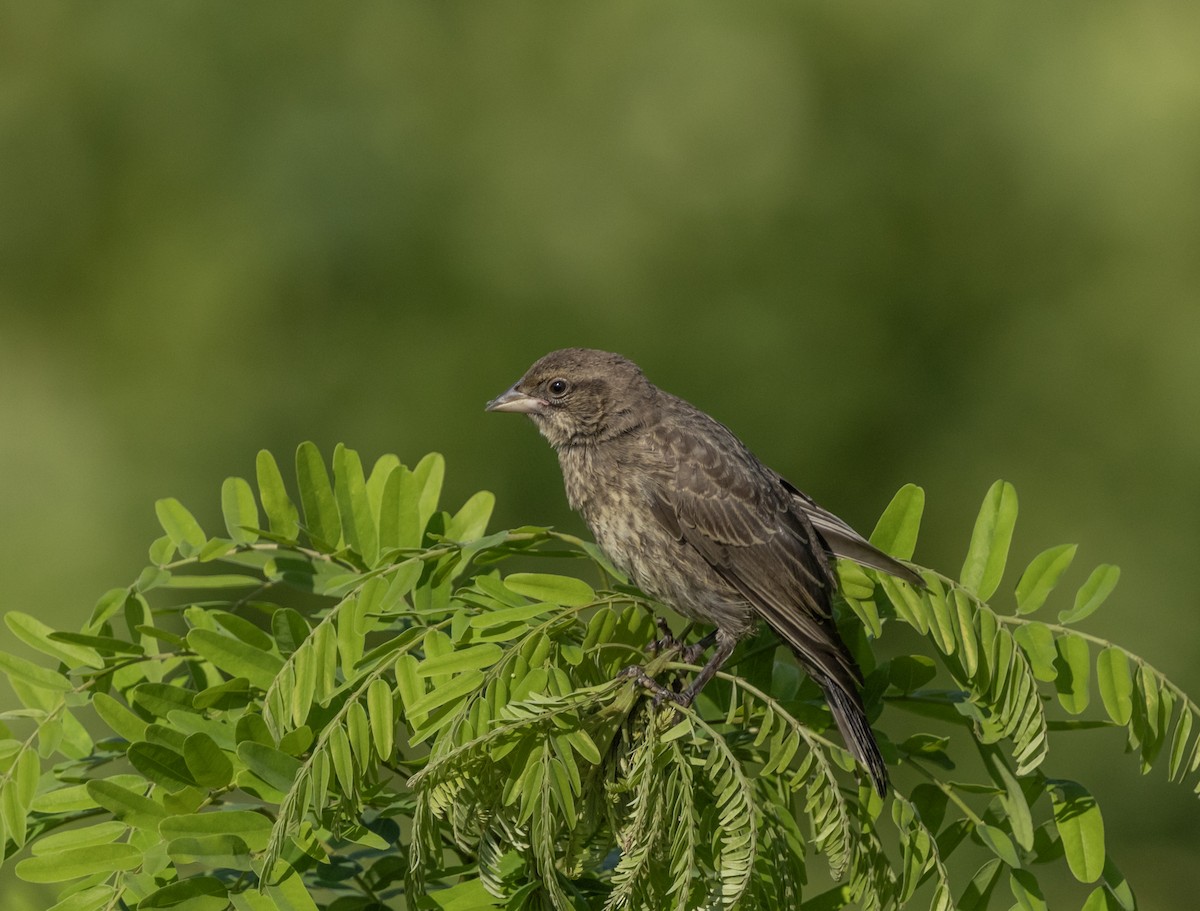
{"points": [[940, 245]]}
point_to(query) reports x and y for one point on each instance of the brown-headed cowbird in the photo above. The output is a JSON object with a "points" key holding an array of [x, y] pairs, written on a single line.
{"points": [[696, 520]]}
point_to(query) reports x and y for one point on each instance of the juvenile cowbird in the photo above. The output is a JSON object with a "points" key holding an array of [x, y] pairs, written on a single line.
{"points": [[696, 520]]}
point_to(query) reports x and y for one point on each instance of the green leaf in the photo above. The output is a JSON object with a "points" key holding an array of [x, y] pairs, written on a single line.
{"points": [[964, 633], [979, 891], [160, 699], [943, 621], [931, 802], [103, 644], [1041, 575], [350, 488], [338, 745], [999, 843], [1081, 828], [1092, 593], [1118, 887], [909, 673], [429, 474], [206, 761], [253, 828], [377, 480], [316, 496], [240, 627], [216, 580], [470, 522], [988, 552], [1037, 641], [290, 894], [475, 657], [510, 615], [20, 670], [76, 741], [36, 634], [212, 850], [77, 863], [855, 586], [181, 526], [399, 511], [126, 805], [24, 780], [239, 510], [273, 766], [1074, 671], [96, 898], [1179, 743], [380, 711], [289, 628], [458, 687], [910, 604], [124, 722], [102, 833], [564, 590], [351, 630], [1116, 684], [582, 743], [161, 765], [201, 893], [216, 549], [467, 895], [1026, 891], [235, 657], [281, 511], [896, 531], [13, 815], [358, 731], [1016, 808], [68, 799], [162, 551]]}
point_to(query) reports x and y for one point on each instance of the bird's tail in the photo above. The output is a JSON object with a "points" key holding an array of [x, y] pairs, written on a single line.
{"points": [[851, 720]]}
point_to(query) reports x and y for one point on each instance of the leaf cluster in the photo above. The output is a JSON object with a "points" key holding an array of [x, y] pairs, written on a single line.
{"points": [[351, 700]]}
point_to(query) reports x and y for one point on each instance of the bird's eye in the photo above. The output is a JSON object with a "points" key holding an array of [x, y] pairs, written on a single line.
{"points": [[558, 387]]}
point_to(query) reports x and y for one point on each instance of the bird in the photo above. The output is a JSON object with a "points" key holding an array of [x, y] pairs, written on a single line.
{"points": [[697, 521]]}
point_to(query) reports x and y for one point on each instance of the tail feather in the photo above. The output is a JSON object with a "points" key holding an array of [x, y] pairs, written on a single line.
{"points": [[851, 720]]}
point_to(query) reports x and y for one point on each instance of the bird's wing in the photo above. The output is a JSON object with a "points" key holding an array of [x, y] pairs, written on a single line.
{"points": [[719, 499], [843, 541]]}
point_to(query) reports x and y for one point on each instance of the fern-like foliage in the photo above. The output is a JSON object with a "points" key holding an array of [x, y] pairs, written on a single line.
{"points": [[357, 704]]}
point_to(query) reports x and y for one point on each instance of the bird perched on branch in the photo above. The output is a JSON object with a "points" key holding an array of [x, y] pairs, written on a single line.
{"points": [[696, 520]]}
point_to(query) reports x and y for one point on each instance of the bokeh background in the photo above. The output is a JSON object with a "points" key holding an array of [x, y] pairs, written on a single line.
{"points": [[939, 243]]}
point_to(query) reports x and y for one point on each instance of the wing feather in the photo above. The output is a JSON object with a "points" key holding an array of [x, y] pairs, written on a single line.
{"points": [[730, 508]]}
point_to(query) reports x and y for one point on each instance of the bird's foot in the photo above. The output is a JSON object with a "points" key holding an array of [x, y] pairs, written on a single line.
{"points": [[691, 654], [666, 639], [660, 693]]}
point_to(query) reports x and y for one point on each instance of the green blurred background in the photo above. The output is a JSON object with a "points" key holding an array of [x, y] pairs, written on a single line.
{"points": [[939, 243]]}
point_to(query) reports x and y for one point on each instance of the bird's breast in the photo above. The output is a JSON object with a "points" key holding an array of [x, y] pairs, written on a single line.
{"points": [[613, 496]]}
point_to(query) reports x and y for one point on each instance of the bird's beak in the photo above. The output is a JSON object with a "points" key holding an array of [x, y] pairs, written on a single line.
{"points": [[516, 402]]}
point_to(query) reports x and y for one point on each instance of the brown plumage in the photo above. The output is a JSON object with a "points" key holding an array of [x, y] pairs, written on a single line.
{"points": [[696, 520]]}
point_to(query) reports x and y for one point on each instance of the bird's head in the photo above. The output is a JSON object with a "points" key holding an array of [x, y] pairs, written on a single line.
{"points": [[578, 396]]}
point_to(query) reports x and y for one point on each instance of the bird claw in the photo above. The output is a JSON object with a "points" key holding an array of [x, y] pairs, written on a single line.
{"points": [[666, 639], [659, 692]]}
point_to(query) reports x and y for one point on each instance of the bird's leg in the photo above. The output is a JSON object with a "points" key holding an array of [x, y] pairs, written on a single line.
{"points": [[661, 693], [693, 652], [666, 639], [725, 645]]}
